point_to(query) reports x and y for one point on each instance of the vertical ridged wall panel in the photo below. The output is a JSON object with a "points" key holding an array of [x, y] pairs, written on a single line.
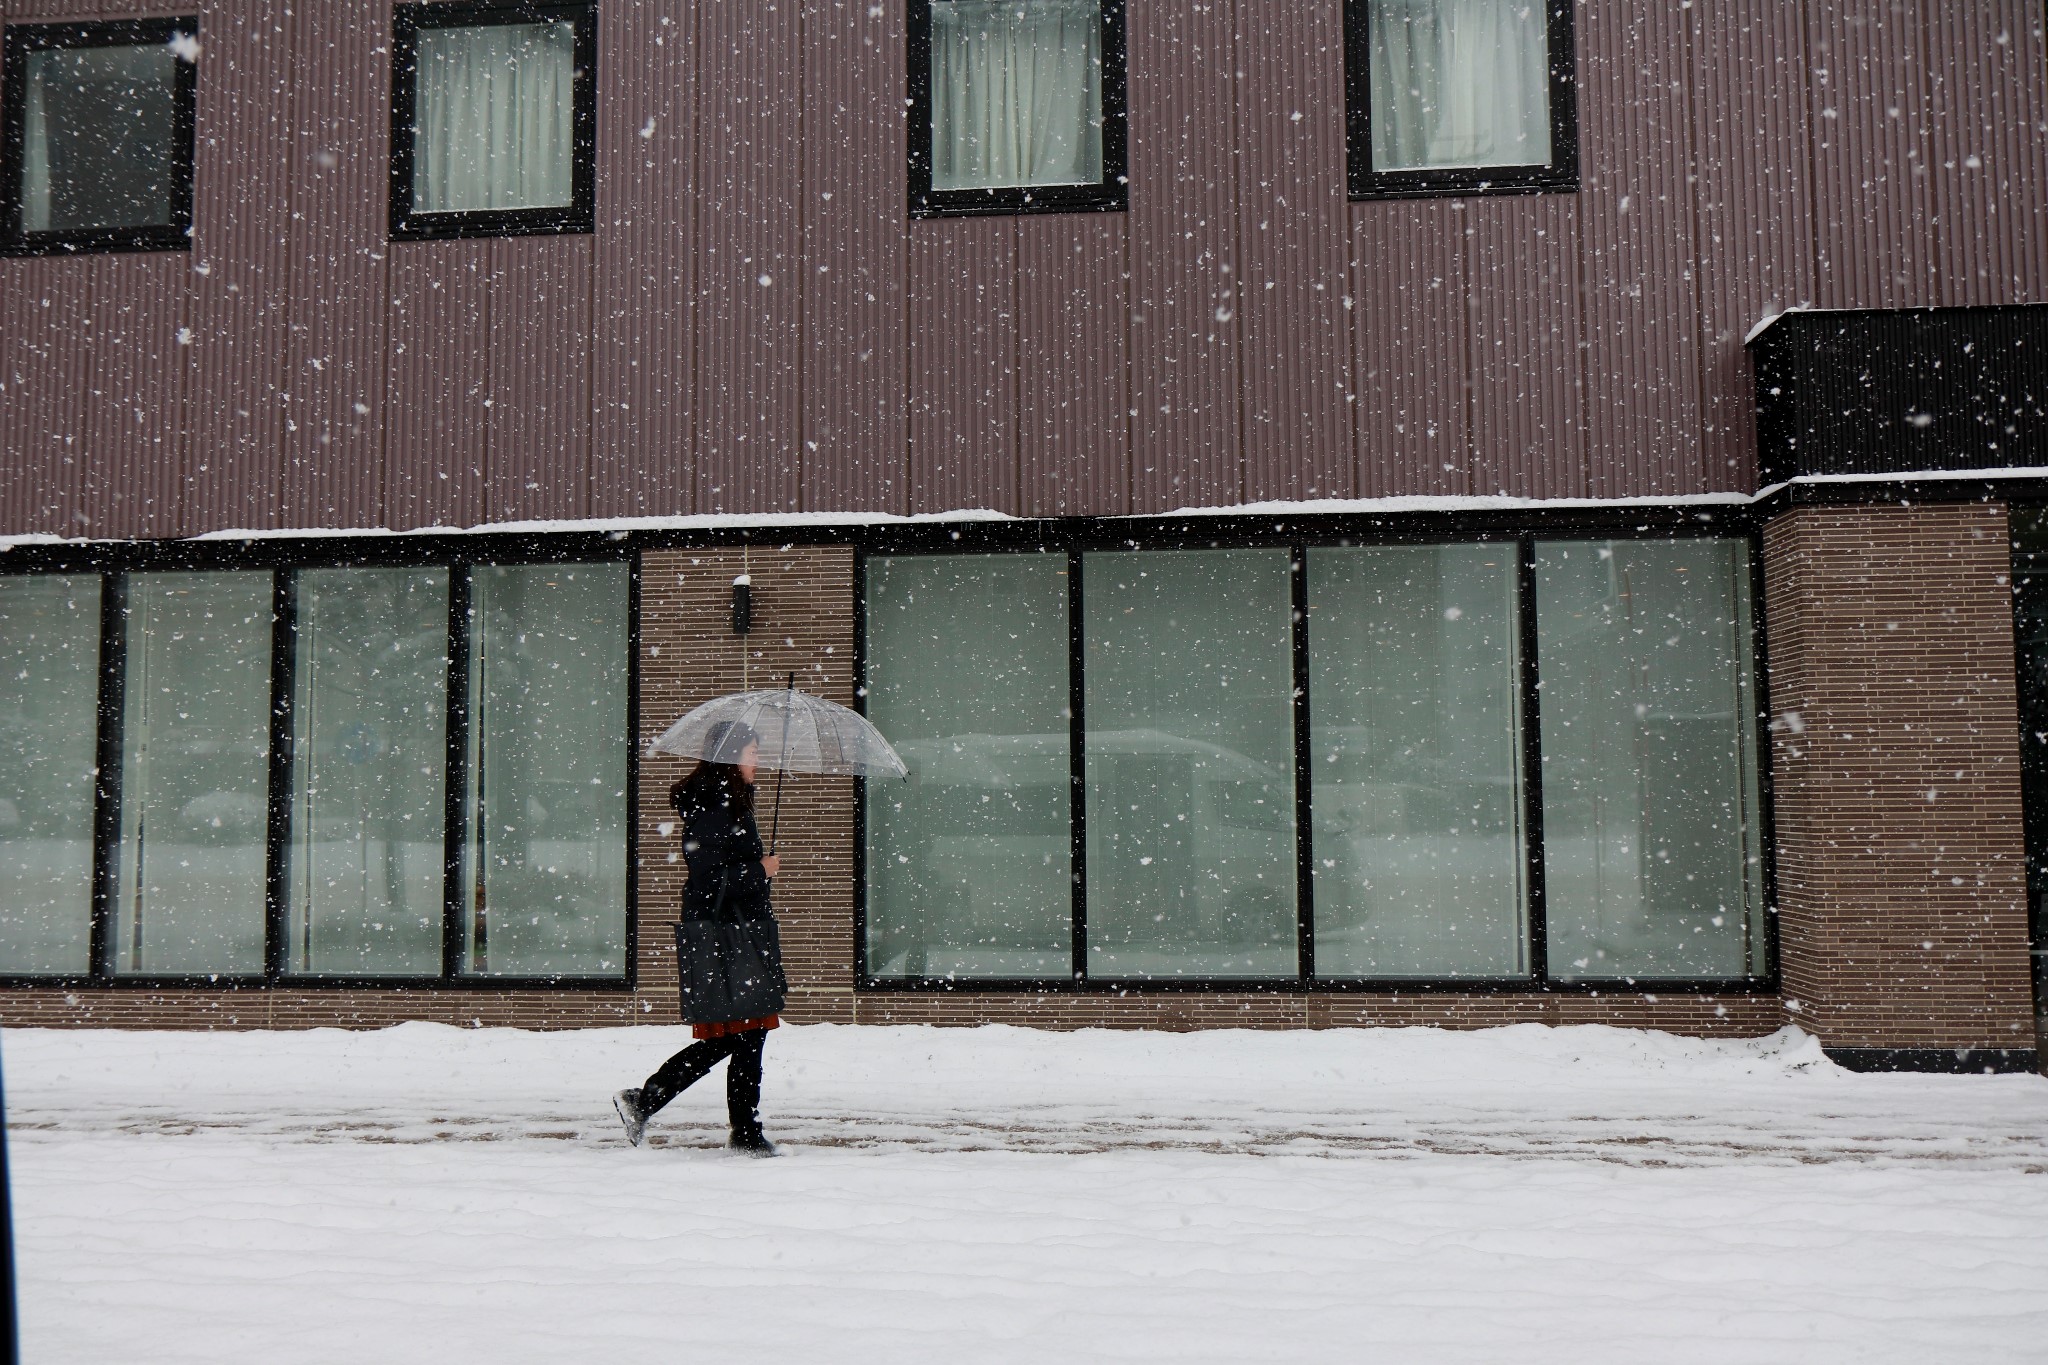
{"points": [[134, 402], [242, 207], [44, 348], [1297, 345], [438, 377], [334, 368], [1073, 369], [1755, 207], [1636, 240], [1528, 435], [1870, 154], [855, 448], [643, 344], [1411, 331], [963, 364], [750, 231], [538, 311], [1186, 383], [1988, 108]]}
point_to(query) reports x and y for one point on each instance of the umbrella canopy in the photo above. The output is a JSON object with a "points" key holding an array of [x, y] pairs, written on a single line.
{"points": [[799, 733]]}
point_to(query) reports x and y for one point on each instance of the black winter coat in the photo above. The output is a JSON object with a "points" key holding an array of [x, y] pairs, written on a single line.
{"points": [[723, 851]]}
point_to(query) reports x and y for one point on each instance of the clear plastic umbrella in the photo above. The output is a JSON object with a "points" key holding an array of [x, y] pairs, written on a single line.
{"points": [[799, 733]]}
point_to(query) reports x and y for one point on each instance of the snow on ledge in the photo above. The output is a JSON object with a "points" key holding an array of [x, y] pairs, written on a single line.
{"points": [[619, 527]]}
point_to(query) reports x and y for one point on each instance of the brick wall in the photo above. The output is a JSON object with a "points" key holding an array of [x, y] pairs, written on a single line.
{"points": [[1895, 759]]}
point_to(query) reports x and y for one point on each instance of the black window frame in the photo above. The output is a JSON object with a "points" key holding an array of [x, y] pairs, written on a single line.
{"points": [[17, 41], [1111, 195], [1521, 535], [1560, 176], [580, 213], [117, 564]]}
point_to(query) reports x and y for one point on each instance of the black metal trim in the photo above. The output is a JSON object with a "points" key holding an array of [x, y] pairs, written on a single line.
{"points": [[860, 784], [1948, 1061], [455, 795], [580, 213], [1112, 195], [284, 639], [106, 831], [1561, 175], [1077, 767], [20, 41], [1761, 747], [1537, 908], [631, 946], [1304, 832], [257, 982]]}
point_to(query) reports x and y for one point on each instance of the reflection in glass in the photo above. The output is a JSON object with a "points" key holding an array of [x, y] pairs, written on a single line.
{"points": [[1190, 764], [1650, 829], [970, 861], [545, 814], [1415, 762], [49, 710], [1016, 93], [369, 719], [98, 131], [195, 763], [1459, 83]]}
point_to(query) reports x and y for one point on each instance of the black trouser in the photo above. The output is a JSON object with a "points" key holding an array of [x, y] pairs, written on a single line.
{"points": [[742, 1078]]}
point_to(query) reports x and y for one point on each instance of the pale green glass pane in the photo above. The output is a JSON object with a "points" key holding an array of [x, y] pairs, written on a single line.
{"points": [[1652, 855], [1016, 88], [970, 860], [369, 753], [545, 814], [195, 768], [1415, 762], [49, 691], [99, 129], [495, 125], [1459, 83], [1190, 764]]}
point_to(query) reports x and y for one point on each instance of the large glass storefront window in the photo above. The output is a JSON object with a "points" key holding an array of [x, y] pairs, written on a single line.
{"points": [[1415, 762], [1651, 833], [49, 699], [545, 812], [195, 768], [970, 860], [370, 724], [1189, 747]]}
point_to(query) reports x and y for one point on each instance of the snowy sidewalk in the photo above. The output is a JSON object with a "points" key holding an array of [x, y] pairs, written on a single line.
{"points": [[433, 1194]]}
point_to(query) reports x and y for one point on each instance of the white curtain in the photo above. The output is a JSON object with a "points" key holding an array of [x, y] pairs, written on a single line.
{"points": [[495, 118], [1016, 93], [1459, 83]]}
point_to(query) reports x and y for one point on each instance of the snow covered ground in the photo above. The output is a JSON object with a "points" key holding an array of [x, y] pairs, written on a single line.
{"points": [[995, 1195]]}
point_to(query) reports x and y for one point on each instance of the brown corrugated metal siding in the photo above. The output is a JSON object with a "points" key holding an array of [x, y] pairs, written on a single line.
{"points": [[1242, 332]]}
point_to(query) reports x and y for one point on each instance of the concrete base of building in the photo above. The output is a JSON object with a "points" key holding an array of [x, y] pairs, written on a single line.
{"points": [[1959, 1061]]}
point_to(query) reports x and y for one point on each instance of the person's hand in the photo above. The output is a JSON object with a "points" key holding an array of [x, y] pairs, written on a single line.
{"points": [[771, 865]]}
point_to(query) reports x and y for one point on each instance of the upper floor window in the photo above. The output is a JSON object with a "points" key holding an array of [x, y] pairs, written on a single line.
{"points": [[1460, 96], [493, 120], [98, 137], [1016, 106]]}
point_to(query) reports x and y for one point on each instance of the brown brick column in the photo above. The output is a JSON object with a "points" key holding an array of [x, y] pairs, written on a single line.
{"points": [[802, 623], [1895, 758]]}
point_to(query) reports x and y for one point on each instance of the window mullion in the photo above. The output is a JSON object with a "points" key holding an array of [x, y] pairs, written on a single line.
{"points": [[1532, 760], [1304, 841], [278, 832], [107, 784], [455, 795], [1077, 788]]}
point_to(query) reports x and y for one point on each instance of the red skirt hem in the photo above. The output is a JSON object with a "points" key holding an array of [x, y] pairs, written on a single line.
{"points": [[766, 1021]]}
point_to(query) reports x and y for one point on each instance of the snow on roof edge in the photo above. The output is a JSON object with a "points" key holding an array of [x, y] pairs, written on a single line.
{"points": [[768, 521]]}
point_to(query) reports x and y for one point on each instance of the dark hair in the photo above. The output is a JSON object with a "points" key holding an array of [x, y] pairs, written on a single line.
{"points": [[713, 784]]}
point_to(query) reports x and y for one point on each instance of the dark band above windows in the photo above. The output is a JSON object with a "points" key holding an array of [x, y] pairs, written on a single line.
{"points": [[1459, 97], [96, 151], [977, 146], [493, 120]]}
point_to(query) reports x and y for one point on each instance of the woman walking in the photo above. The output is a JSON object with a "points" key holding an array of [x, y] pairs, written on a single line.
{"points": [[729, 876]]}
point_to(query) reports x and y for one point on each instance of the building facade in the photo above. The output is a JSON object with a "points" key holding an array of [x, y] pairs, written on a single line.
{"points": [[1303, 485]]}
